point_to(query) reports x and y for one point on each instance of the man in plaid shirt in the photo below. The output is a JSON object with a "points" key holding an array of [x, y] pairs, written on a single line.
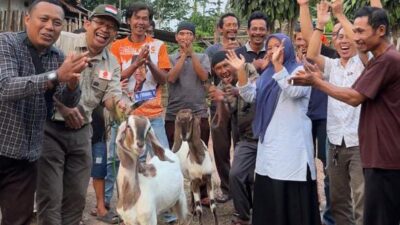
{"points": [[30, 69]]}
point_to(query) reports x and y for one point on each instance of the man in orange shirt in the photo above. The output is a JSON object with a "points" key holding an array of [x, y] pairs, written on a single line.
{"points": [[140, 49]]}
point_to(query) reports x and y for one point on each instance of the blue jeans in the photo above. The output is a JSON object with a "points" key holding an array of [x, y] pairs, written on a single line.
{"points": [[99, 160], [112, 166], [158, 126]]}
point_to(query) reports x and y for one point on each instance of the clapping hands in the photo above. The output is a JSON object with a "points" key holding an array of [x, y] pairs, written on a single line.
{"points": [[308, 76]]}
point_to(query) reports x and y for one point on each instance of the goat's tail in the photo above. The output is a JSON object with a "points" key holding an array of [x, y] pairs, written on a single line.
{"points": [[181, 209]]}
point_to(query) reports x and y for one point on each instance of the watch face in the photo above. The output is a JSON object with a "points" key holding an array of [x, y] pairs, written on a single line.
{"points": [[52, 76]]}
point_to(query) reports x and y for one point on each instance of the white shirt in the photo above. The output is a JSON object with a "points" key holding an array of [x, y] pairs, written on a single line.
{"points": [[287, 148], [342, 119]]}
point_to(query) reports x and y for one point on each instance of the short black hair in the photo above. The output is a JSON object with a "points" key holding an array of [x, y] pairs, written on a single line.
{"points": [[221, 19], [136, 7], [257, 15], [54, 2], [376, 17]]}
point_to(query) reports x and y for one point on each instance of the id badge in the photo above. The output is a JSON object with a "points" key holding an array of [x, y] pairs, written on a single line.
{"points": [[105, 75], [145, 95]]}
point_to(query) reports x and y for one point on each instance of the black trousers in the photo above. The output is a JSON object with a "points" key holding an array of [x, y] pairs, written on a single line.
{"points": [[278, 202], [319, 139], [382, 197], [17, 188], [241, 177]]}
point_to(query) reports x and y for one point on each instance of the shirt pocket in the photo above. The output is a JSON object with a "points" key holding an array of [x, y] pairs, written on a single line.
{"points": [[98, 90]]}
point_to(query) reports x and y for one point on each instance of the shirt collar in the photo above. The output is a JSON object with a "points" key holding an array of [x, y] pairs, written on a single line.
{"points": [[249, 49], [81, 46], [27, 42]]}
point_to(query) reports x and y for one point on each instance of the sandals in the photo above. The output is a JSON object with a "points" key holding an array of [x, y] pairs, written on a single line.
{"points": [[110, 218], [93, 212]]}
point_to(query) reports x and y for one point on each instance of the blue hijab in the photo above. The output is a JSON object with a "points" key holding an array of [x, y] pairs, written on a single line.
{"points": [[268, 90]]}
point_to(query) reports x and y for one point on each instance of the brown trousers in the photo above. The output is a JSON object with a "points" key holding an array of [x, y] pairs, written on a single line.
{"points": [[346, 185]]}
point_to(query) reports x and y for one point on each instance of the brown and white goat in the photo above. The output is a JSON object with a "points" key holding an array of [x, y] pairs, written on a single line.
{"points": [[196, 163], [147, 190]]}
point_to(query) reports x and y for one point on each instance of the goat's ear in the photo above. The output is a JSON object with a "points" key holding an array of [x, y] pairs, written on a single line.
{"points": [[124, 137], [156, 146], [196, 131], [177, 137]]}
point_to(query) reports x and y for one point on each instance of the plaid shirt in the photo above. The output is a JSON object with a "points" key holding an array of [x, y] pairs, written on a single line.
{"points": [[22, 101]]}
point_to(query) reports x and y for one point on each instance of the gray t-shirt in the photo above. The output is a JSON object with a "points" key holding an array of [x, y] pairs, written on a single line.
{"points": [[188, 91], [211, 50]]}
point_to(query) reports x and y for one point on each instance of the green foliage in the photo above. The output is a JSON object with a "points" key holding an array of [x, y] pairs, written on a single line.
{"points": [[281, 11], [392, 6], [203, 13], [167, 10], [287, 10]]}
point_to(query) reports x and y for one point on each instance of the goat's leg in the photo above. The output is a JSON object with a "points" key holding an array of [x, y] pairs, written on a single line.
{"points": [[210, 191], [195, 187], [180, 208]]}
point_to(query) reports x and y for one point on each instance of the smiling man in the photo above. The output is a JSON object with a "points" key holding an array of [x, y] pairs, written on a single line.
{"points": [[64, 166], [344, 163], [140, 49], [254, 50], [32, 71], [228, 26], [377, 90]]}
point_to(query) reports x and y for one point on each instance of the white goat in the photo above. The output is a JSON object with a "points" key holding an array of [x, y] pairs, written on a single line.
{"points": [[196, 163], [147, 190]]}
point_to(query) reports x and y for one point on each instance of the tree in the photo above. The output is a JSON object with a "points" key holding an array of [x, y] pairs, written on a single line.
{"points": [[287, 10], [167, 10], [277, 11]]}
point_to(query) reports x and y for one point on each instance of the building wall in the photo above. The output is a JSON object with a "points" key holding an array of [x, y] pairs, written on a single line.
{"points": [[15, 4]]}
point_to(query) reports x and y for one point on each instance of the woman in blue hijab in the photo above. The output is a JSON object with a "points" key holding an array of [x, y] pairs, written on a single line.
{"points": [[285, 191]]}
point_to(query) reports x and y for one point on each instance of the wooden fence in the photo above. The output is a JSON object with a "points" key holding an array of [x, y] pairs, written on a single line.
{"points": [[14, 21]]}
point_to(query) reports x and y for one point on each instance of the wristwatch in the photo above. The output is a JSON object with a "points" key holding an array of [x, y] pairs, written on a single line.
{"points": [[53, 77]]}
